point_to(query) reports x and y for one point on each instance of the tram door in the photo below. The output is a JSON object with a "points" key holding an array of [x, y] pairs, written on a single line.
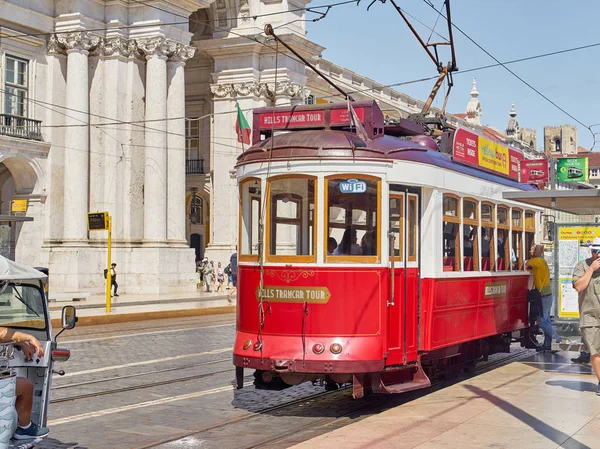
{"points": [[404, 274]]}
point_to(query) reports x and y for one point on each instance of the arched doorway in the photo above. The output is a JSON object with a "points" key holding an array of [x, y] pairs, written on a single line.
{"points": [[20, 241]]}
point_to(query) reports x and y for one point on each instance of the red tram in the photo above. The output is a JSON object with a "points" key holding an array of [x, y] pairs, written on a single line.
{"points": [[385, 261]]}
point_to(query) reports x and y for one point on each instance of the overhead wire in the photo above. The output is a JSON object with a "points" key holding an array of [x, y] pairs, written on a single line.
{"points": [[545, 97]]}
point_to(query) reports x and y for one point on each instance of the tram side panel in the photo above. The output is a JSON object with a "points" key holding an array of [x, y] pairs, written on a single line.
{"points": [[455, 311], [307, 306]]}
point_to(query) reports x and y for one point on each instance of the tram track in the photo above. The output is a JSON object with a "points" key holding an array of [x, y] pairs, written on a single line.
{"points": [[142, 386], [369, 402]]}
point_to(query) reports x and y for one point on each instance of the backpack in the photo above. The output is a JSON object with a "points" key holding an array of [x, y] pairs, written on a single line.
{"points": [[105, 272], [227, 270]]}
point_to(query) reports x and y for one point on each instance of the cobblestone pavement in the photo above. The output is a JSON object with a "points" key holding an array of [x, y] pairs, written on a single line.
{"points": [[169, 384], [137, 384]]}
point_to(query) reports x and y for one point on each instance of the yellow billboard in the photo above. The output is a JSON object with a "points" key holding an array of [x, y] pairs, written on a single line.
{"points": [[493, 156], [19, 206], [584, 234]]}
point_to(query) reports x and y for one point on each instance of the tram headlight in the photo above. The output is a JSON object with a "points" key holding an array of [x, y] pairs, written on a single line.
{"points": [[335, 348], [318, 348], [247, 344], [257, 346]]}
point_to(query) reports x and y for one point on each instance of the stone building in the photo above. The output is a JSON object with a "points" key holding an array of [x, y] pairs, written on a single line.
{"points": [[130, 108], [93, 120]]}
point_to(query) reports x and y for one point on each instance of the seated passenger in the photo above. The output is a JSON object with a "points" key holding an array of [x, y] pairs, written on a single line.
{"points": [[331, 245], [485, 243], [30, 347], [348, 246], [369, 244]]}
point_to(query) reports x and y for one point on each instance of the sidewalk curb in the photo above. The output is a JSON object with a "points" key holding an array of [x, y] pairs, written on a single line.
{"points": [[142, 316]]}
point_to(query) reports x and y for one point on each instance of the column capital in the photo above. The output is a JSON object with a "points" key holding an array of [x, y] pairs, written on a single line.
{"points": [[180, 53], [78, 41], [154, 47], [118, 47], [53, 46]]}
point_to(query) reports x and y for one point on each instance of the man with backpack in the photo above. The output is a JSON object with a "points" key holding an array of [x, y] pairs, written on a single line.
{"points": [[233, 268]]}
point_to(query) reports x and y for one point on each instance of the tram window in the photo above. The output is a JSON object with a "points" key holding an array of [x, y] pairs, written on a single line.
{"points": [[396, 222], [412, 228], [487, 237], [291, 228], [529, 231], [502, 247], [450, 235], [249, 216], [470, 244], [352, 215], [517, 239]]}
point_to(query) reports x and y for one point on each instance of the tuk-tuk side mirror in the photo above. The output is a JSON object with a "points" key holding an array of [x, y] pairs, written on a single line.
{"points": [[69, 317]]}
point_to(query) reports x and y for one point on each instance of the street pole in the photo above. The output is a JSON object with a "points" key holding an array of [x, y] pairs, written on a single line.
{"points": [[109, 274]]}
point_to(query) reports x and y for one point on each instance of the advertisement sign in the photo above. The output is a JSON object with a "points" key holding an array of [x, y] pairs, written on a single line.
{"points": [[353, 186], [341, 117], [486, 154], [292, 119], [573, 246], [572, 169], [534, 171]]}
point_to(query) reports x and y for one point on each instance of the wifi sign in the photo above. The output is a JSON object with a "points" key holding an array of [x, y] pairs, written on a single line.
{"points": [[353, 186]]}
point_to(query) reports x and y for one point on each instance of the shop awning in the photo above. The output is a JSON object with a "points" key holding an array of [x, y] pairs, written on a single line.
{"points": [[579, 202]]}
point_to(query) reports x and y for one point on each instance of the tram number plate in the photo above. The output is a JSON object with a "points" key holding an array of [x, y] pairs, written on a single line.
{"points": [[353, 186]]}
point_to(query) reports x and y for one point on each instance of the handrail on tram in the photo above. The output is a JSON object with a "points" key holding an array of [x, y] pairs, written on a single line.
{"points": [[392, 238]]}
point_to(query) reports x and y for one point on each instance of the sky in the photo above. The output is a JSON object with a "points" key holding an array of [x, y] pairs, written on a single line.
{"points": [[378, 44]]}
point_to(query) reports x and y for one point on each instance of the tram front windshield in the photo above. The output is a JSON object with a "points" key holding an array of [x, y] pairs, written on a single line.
{"points": [[21, 306]]}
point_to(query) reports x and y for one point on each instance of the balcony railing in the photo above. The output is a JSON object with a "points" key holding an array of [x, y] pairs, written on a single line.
{"points": [[25, 128], [194, 166]]}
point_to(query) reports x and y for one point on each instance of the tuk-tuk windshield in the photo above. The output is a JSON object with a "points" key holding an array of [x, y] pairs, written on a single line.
{"points": [[22, 305]]}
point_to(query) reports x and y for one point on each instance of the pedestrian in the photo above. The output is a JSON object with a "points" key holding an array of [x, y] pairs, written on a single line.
{"points": [[227, 272], [541, 282], [233, 261], [214, 279], [198, 278], [220, 277], [113, 278], [586, 280], [208, 271]]}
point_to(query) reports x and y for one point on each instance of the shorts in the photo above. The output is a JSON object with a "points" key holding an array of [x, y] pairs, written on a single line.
{"points": [[591, 337]]}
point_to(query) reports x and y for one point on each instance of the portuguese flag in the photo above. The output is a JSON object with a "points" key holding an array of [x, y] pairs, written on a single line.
{"points": [[241, 127]]}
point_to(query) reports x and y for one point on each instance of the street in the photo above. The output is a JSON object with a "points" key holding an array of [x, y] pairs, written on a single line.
{"points": [[137, 384]]}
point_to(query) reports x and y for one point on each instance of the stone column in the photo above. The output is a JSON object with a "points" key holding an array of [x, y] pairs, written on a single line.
{"points": [[176, 144], [155, 158], [77, 46]]}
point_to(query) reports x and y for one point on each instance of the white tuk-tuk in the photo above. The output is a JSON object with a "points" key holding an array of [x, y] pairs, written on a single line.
{"points": [[24, 307]]}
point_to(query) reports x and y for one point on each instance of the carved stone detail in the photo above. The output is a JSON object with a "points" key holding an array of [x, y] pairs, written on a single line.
{"points": [[259, 90], [117, 46], [53, 46], [181, 53], [155, 46], [78, 41]]}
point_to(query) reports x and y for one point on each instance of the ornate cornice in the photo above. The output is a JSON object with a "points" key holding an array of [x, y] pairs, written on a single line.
{"points": [[256, 89], [78, 41], [53, 46], [117, 46]]}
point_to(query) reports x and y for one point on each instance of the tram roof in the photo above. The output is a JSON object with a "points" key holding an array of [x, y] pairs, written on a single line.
{"points": [[579, 202], [344, 145]]}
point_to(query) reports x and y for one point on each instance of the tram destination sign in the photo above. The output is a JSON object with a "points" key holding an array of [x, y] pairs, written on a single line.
{"points": [[292, 119], [486, 154], [310, 295]]}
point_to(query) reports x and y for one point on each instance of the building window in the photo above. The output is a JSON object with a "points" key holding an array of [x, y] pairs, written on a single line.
{"points": [[192, 139], [310, 99], [196, 208], [557, 145], [16, 86]]}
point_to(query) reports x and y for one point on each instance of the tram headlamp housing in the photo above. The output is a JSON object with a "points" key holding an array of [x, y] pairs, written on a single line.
{"points": [[318, 348], [247, 344], [257, 346], [335, 348]]}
